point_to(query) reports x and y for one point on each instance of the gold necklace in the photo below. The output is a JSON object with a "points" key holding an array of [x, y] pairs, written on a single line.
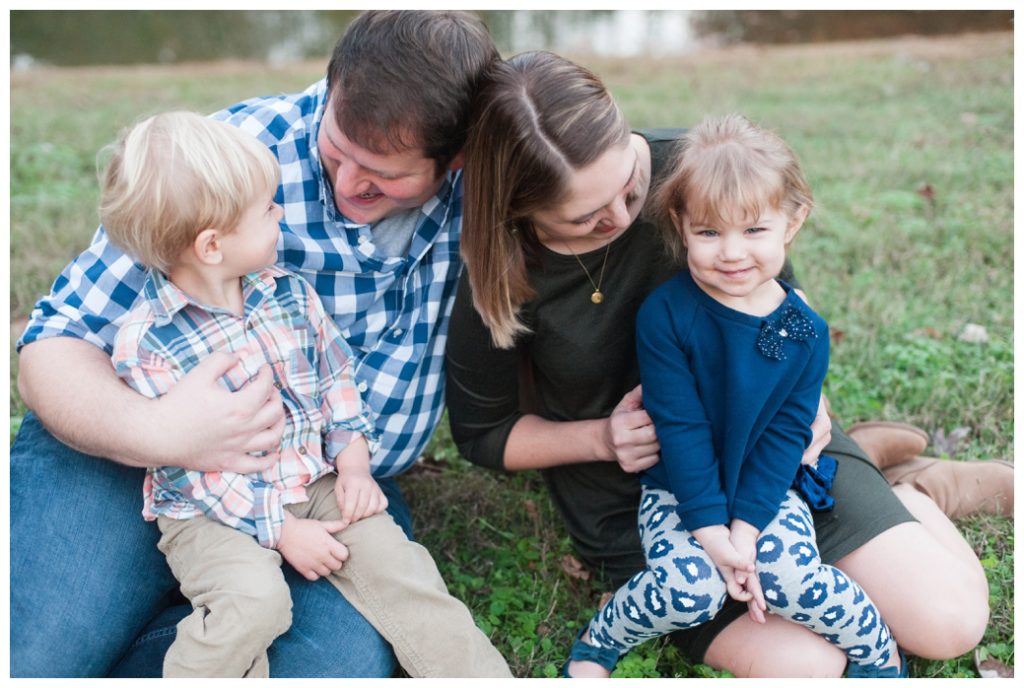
{"points": [[597, 296]]}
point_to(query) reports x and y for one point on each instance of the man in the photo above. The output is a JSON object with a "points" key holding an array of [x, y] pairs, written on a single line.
{"points": [[371, 191]]}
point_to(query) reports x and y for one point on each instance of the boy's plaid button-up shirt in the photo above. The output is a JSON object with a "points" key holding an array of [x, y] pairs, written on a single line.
{"points": [[392, 311], [167, 333]]}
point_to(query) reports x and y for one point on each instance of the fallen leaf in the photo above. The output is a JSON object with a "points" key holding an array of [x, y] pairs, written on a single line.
{"points": [[531, 509], [990, 667], [604, 599], [927, 192], [573, 568], [836, 334], [929, 332], [948, 444], [975, 334], [543, 629]]}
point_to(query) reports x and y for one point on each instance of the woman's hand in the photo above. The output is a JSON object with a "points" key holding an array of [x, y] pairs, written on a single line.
{"points": [[630, 436], [821, 428], [310, 547]]}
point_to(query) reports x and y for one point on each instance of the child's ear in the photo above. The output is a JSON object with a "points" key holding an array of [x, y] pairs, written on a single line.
{"points": [[677, 222], [206, 247], [796, 221]]}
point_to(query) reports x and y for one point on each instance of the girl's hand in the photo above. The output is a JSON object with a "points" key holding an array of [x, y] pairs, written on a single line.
{"points": [[630, 436], [310, 547], [821, 428], [358, 496], [730, 563], [743, 537]]}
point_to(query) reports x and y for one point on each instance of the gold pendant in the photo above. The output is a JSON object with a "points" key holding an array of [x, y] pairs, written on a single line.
{"points": [[597, 297]]}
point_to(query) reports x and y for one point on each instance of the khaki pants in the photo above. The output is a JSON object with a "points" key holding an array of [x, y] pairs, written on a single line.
{"points": [[241, 601]]}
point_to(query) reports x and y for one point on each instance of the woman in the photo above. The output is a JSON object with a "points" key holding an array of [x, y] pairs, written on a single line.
{"points": [[542, 372]]}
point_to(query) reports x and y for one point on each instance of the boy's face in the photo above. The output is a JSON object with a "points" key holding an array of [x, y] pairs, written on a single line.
{"points": [[370, 186], [252, 245]]}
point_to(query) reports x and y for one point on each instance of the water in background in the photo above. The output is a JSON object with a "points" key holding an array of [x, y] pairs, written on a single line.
{"points": [[149, 36]]}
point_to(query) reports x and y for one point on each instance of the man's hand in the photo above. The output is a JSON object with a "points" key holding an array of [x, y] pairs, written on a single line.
{"points": [[310, 547], [743, 537], [205, 427], [730, 563], [629, 434], [73, 389], [821, 429]]}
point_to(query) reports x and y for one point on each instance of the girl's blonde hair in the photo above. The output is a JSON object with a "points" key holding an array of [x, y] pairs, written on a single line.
{"points": [[175, 174], [537, 119], [727, 168]]}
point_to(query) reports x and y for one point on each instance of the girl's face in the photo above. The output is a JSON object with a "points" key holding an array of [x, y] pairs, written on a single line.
{"points": [[735, 260], [603, 200]]}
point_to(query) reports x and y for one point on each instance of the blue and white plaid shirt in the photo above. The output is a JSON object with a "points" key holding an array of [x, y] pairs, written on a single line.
{"points": [[393, 311]]}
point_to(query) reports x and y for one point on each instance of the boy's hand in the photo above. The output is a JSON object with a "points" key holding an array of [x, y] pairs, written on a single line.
{"points": [[715, 541], [743, 537], [358, 494], [309, 546]]}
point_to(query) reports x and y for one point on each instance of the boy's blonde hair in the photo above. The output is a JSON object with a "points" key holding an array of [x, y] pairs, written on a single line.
{"points": [[727, 169], [175, 174]]}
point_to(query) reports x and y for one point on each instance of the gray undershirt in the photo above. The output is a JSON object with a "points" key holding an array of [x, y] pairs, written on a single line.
{"points": [[393, 235]]}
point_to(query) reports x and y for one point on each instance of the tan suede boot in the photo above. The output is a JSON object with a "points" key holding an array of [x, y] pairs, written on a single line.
{"points": [[960, 488], [888, 443]]}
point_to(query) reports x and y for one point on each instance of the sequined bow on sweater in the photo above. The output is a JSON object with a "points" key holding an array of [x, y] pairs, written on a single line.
{"points": [[792, 323]]}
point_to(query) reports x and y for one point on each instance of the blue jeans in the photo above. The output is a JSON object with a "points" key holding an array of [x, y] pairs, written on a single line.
{"points": [[92, 596]]}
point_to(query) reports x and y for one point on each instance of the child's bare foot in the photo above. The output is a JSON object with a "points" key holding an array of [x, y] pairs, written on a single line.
{"points": [[589, 661], [585, 669]]}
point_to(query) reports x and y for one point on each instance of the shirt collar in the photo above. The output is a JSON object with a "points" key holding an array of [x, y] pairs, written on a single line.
{"points": [[166, 299]]}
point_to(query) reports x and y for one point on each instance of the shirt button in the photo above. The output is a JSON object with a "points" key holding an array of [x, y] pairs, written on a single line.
{"points": [[361, 386], [397, 333], [362, 239], [302, 450], [277, 384], [249, 325]]}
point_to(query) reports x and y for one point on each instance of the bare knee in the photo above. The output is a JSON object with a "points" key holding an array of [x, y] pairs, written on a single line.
{"points": [[777, 649], [947, 632]]}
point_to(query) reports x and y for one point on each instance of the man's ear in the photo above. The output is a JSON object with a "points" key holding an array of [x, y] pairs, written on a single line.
{"points": [[796, 221], [206, 247], [457, 162]]}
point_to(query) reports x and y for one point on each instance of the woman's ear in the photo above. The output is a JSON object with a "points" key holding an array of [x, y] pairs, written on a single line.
{"points": [[206, 247], [796, 221]]}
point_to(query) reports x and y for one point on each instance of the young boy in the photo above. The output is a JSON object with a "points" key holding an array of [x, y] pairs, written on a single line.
{"points": [[192, 199]]}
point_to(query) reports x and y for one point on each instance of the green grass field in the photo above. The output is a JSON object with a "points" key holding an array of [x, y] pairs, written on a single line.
{"points": [[908, 145]]}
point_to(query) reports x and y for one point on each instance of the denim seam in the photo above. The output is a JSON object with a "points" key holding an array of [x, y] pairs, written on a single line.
{"points": [[153, 635]]}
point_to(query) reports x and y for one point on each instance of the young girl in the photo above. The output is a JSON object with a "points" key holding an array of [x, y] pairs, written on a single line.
{"points": [[732, 362]]}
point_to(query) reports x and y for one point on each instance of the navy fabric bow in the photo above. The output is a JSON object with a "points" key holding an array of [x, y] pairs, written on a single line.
{"points": [[814, 482], [792, 323]]}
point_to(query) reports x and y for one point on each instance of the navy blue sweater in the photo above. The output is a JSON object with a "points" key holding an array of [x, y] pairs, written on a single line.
{"points": [[732, 397]]}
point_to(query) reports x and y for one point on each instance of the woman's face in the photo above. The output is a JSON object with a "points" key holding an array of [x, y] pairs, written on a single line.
{"points": [[603, 200]]}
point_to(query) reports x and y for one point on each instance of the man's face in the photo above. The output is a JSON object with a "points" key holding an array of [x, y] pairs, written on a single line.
{"points": [[370, 186]]}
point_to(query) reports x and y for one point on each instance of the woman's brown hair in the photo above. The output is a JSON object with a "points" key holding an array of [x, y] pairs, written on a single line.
{"points": [[537, 119]]}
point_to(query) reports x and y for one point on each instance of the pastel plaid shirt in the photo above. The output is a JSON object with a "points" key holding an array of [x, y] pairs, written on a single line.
{"points": [[167, 333], [393, 312]]}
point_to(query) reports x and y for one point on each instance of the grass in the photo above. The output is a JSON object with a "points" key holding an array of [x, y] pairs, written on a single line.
{"points": [[908, 145]]}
